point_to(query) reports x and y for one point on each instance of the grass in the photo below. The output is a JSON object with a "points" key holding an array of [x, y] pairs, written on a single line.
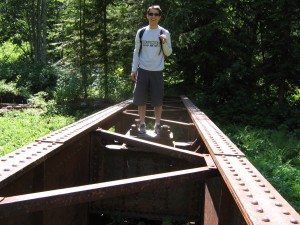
{"points": [[19, 128], [276, 154]]}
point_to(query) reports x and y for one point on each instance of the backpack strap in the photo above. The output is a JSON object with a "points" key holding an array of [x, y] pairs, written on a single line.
{"points": [[161, 47], [141, 35]]}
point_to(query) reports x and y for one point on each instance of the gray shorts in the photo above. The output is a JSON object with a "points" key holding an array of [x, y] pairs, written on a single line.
{"points": [[151, 82]]}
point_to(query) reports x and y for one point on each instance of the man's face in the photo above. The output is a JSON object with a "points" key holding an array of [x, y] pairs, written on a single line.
{"points": [[153, 17]]}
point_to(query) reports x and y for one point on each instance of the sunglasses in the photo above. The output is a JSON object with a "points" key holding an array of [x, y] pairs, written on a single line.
{"points": [[153, 14]]}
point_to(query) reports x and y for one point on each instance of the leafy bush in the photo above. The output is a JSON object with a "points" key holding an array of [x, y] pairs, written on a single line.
{"points": [[31, 77], [68, 87], [9, 92]]}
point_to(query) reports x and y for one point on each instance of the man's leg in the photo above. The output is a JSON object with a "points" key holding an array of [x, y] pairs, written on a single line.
{"points": [[142, 112], [157, 114]]}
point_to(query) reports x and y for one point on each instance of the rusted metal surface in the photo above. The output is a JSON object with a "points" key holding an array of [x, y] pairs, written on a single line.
{"points": [[148, 146], [258, 201], [86, 125], [23, 204], [17, 163], [84, 169]]}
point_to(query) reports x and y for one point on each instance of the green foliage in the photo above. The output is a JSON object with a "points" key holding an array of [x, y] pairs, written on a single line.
{"points": [[9, 92], [18, 128], [30, 77], [8, 88], [68, 85], [10, 52], [275, 153]]}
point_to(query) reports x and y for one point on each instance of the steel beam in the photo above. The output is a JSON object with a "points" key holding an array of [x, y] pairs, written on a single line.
{"points": [[149, 146], [258, 201], [22, 204]]}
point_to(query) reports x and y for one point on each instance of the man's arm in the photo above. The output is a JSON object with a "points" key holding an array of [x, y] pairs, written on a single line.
{"points": [[166, 43]]}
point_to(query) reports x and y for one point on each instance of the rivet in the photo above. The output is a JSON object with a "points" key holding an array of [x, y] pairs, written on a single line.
{"points": [[262, 185], [266, 219], [272, 197], [14, 165], [3, 160], [257, 180], [44, 148], [11, 156], [28, 147], [232, 170], [254, 202], [21, 161], [279, 204], [244, 163], [245, 189], [235, 174], [242, 184], [253, 175], [238, 178], [285, 212], [250, 171], [6, 169], [260, 210], [294, 221], [249, 195], [267, 191], [28, 157]]}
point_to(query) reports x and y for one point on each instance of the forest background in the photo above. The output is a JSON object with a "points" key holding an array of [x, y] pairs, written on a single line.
{"points": [[239, 61]]}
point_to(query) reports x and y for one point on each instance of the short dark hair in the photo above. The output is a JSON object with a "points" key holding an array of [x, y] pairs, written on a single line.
{"points": [[155, 7]]}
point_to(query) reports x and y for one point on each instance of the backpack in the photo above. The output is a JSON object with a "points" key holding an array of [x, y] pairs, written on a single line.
{"points": [[141, 35]]}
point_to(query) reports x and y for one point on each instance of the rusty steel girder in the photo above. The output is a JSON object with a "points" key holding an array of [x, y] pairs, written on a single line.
{"points": [[85, 169]]}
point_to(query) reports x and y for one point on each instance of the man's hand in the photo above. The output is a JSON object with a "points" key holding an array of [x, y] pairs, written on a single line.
{"points": [[133, 76], [163, 38]]}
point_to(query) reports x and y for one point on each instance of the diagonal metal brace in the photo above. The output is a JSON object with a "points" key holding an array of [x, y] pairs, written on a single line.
{"points": [[152, 147], [22, 204]]}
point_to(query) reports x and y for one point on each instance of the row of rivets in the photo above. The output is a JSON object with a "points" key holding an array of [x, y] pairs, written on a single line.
{"points": [[18, 153], [251, 173], [250, 195], [221, 135]]}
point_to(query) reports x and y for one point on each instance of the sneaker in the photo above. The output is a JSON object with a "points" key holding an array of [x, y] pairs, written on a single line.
{"points": [[157, 129], [142, 129]]}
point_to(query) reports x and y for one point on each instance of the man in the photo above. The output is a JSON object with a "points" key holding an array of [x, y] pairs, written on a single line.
{"points": [[151, 47]]}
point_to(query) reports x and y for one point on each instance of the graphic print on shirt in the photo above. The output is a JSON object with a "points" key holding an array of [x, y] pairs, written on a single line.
{"points": [[151, 43]]}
